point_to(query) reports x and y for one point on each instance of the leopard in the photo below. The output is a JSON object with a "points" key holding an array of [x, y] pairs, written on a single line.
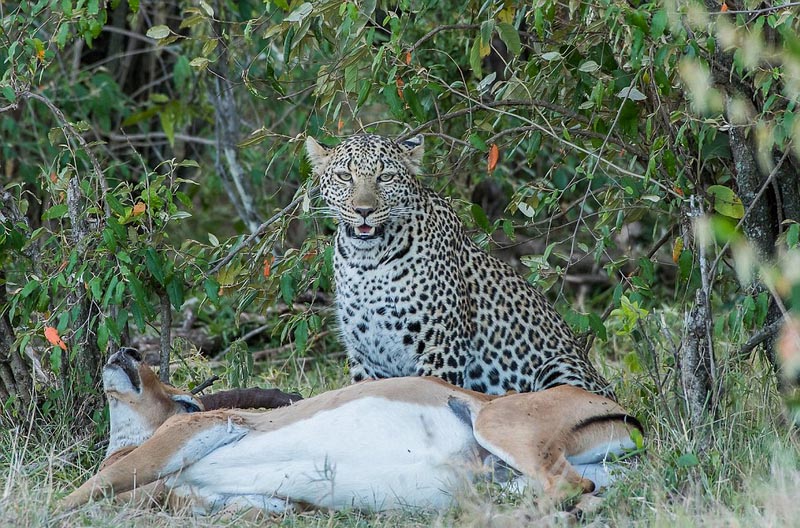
{"points": [[416, 296]]}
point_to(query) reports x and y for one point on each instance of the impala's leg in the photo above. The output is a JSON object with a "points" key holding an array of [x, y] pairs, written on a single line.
{"points": [[181, 441], [537, 452]]}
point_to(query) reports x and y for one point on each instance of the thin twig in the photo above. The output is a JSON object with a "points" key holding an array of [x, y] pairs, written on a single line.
{"points": [[248, 335], [260, 230], [206, 384], [26, 94], [161, 135], [166, 337], [588, 338], [430, 34], [759, 337]]}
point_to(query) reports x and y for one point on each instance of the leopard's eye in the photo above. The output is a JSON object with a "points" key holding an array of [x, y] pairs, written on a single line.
{"points": [[386, 176], [343, 175]]}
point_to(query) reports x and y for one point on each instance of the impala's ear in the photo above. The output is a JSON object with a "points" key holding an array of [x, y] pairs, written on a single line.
{"points": [[190, 405], [414, 149], [318, 155]]}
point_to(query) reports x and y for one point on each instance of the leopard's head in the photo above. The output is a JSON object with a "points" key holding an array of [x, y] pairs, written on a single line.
{"points": [[369, 182]]}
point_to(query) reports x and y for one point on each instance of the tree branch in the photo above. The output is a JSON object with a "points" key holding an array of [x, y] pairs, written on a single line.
{"points": [[166, 337], [101, 178], [438, 29], [260, 230], [759, 337]]}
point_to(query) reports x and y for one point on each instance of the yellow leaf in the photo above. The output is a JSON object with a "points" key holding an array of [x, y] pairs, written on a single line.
{"points": [[677, 249]]}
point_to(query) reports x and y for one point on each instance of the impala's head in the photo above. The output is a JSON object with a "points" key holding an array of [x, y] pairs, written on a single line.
{"points": [[368, 181], [138, 401]]}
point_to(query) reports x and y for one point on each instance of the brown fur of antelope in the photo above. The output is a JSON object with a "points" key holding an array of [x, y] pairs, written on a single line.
{"points": [[139, 404], [375, 445]]}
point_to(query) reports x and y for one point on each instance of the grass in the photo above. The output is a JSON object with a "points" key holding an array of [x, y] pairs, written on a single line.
{"points": [[748, 473]]}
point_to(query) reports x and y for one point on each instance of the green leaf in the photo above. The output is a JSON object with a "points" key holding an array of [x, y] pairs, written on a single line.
{"points": [[552, 56], [211, 288], [366, 87], [638, 438], [95, 286], [413, 104], [158, 32], [725, 201], [9, 94], [29, 288], [393, 100], [154, 265], [167, 119], [596, 324], [287, 44], [287, 288], [102, 335], [793, 235], [181, 73], [138, 317], [199, 63], [480, 218], [175, 290], [109, 239], [109, 291], [55, 359], [302, 11], [475, 62], [301, 336], [57, 211], [476, 141], [510, 36], [658, 23]]}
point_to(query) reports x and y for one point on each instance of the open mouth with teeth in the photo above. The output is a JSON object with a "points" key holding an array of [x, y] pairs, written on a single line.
{"points": [[364, 231]]}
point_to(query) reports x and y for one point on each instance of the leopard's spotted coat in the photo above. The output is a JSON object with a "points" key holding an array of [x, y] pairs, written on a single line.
{"points": [[415, 295]]}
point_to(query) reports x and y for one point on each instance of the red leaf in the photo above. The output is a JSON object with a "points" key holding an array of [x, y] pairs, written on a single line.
{"points": [[268, 265], [51, 334], [494, 155]]}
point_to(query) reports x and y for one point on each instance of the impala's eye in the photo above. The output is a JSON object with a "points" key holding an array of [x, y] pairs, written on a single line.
{"points": [[344, 176], [386, 176]]}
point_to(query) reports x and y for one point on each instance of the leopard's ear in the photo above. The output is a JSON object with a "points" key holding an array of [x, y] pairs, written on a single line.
{"points": [[415, 149], [318, 155]]}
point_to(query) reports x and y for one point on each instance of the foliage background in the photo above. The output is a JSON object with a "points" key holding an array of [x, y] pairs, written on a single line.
{"points": [[637, 160]]}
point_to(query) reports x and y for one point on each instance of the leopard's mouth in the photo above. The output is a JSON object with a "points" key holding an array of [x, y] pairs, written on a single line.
{"points": [[364, 231]]}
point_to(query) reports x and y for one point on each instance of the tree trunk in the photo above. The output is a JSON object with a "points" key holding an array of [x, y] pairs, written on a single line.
{"points": [[16, 380], [697, 365]]}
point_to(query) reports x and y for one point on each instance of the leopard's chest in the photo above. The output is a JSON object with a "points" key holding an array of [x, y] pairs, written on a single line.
{"points": [[375, 306]]}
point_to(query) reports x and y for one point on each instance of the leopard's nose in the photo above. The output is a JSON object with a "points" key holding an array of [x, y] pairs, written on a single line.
{"points": [[365, 211]]}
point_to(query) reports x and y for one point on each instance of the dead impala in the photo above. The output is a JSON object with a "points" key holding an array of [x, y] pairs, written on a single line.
{"points": [[375, 445]]}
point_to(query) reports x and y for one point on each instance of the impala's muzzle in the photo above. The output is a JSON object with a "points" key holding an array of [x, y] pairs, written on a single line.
{"points": [[126, 360]]}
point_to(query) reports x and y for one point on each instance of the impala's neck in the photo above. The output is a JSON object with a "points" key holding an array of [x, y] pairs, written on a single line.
{"points": [[128, 427]]}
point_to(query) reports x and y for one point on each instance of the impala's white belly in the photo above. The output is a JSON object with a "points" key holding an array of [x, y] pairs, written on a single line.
{"points": [[370, 453]]}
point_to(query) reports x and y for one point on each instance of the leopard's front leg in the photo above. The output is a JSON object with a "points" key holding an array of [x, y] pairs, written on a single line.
{"points": [[442, 361], [357, 371]]}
